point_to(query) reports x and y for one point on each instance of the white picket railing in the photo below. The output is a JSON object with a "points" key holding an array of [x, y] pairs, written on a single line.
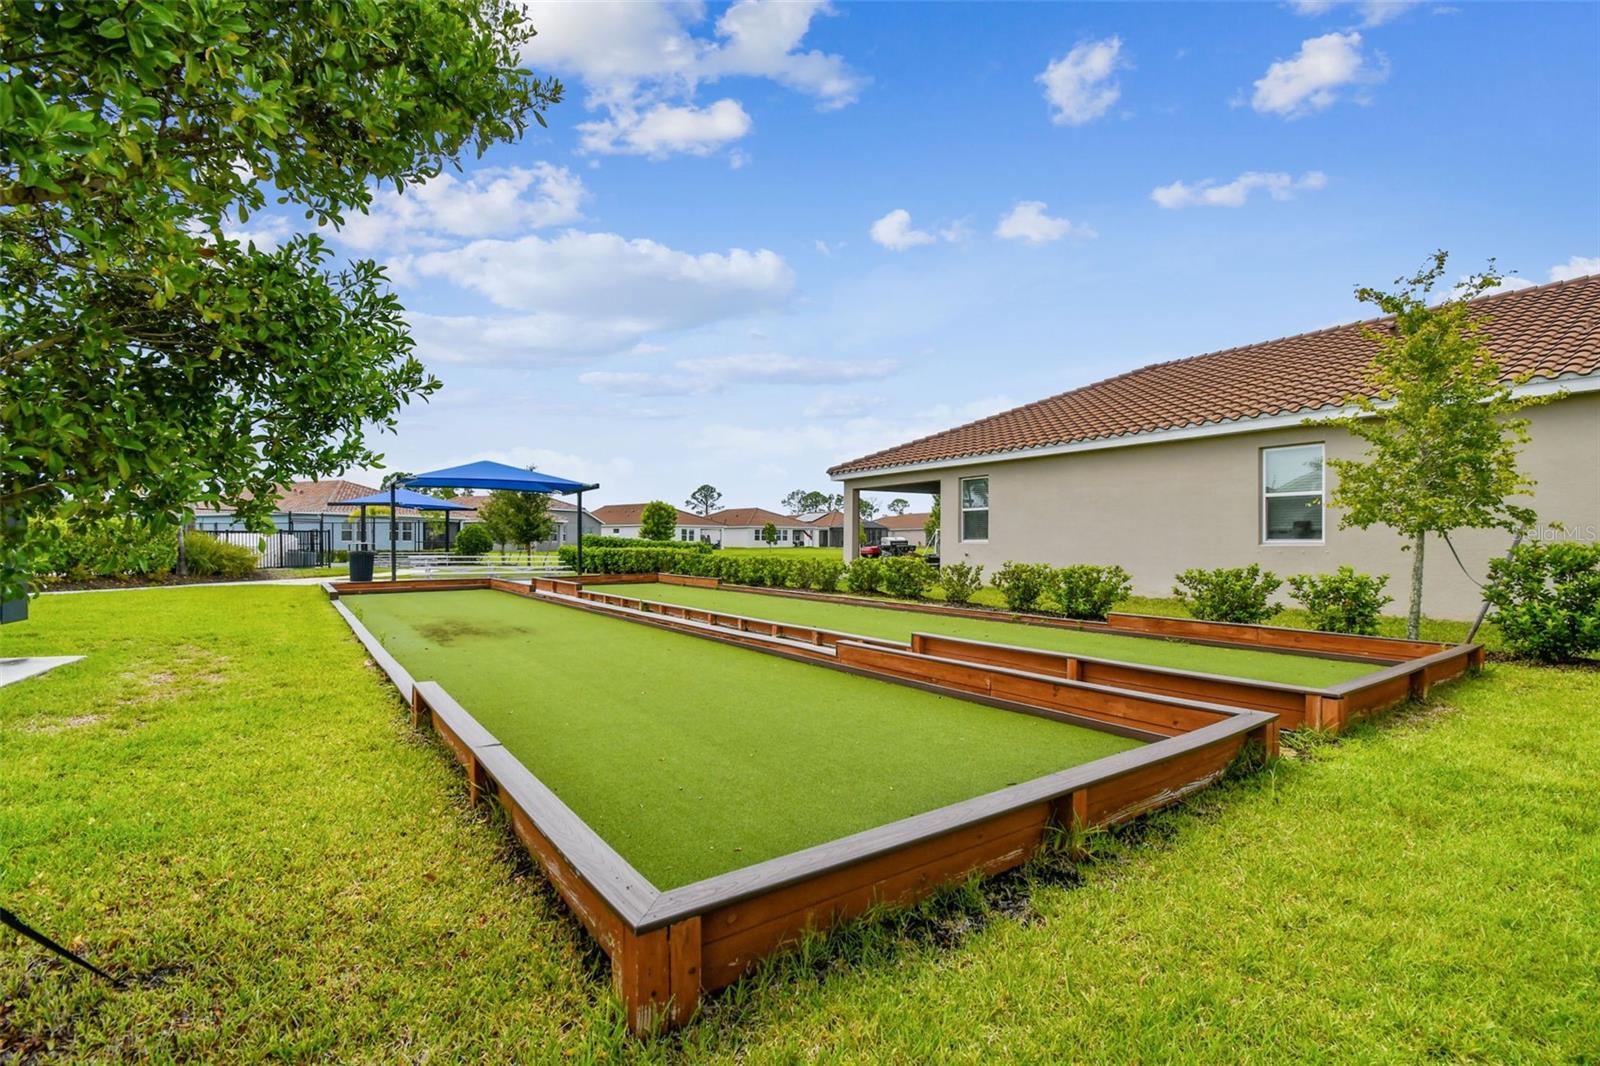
{"points": [[494, 564]]}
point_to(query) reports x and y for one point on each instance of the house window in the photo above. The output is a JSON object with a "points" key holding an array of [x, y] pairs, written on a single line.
{"points": [[344, 533], [1292, 488], [975, 509]]}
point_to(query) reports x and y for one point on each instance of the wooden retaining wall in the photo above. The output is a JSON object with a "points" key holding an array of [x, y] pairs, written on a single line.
{"points": [[669, 947]]}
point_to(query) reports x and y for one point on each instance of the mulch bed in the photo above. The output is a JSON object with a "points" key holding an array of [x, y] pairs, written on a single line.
{"points": [[143, 582]]}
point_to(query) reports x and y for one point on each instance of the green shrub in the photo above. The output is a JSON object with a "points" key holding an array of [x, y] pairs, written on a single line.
{"points": [[960, 581], [1546, 600], [1087, 591], [824, 575], [82, 550], [1343, 601], [626, 560], [907, 576], [595, 540], [1022, 584], [210, 557], [474, 540], [865, 575], [1229, 594]]}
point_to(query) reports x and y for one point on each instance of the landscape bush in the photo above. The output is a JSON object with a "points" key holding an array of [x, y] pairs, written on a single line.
{"points": [[1088, 591], [596, 540], [1229, 594], [1342, 602], [824, 575], [474, 540], [626, 560], [865, 575], [907, 576], [960, 581], [78, 551], [1546, 600], [209, 557], [1022, 584]]}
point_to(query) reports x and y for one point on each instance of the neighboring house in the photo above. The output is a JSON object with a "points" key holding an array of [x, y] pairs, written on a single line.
{"points": [[1219, 460], [622, 520], [830, 530], [561, 512], [910, 527], [742, 528]]}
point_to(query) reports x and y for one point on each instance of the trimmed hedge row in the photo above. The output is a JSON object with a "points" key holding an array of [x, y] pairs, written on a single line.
{"points": [[596, 540]]}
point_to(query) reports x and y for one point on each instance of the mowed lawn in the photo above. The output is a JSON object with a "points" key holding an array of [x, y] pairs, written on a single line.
{"points": [[225, 803], [890, 623], [693, 758]]}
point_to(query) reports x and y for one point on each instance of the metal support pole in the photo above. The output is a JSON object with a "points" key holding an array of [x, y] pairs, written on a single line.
{"points": [[580, 536], [363, 535], [447, 532], [394, 562]]}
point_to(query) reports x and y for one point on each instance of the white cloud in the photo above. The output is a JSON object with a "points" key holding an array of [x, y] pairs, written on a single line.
{"points": [[663, 130], [841, 405], [696, 377], [586, 294], [1371, 12], [1079, 85], [839, 439], [266, 232], [491, 201], [1576, 267], [643, 63], [894, 231], [1236, 193], [1028, 222], [1313, 79]]}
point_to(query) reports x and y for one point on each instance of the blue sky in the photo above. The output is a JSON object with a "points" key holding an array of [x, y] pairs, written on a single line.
{"points": [[759, 240]]}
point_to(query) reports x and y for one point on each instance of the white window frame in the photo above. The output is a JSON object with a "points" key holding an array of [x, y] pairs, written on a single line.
{"points": [[1322, 491], [962, 509]]}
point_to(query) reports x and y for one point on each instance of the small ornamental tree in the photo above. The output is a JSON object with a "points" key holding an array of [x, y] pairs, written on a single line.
{"points": [[769, 533], [658, 520], [1437, 416], [520, 518], [151, 359], [703, 499]]}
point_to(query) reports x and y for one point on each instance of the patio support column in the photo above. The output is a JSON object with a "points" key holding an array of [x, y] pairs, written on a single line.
{"points": [[394, 562], [852, 522]]}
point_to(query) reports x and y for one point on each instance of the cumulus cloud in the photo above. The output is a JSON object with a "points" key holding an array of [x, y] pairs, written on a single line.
{"points": [[699, 376], [579, 295], [663, 130], [1313, 79], [1370, 12], [1576, 267], [895, 232], [642, 64], [494, 200], [1027, 221], [1079, 85], [1236, 193]]}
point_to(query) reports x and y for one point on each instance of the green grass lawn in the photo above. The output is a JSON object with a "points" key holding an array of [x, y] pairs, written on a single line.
{"points": [[693, 758], [224, 802], [874, 621]]}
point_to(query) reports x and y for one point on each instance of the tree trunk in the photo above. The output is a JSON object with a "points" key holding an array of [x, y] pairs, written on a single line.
{"points": [[1414, 616]]}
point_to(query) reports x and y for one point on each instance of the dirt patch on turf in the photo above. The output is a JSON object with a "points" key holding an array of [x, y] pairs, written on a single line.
{"points": [[61, 725], [447, 632]]}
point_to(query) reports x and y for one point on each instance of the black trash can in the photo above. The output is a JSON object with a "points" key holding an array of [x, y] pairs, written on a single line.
{"points": [[360, 566]]}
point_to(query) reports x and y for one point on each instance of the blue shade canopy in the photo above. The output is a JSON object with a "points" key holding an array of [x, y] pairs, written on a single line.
{"points": [[489, 475], [403, 498]]}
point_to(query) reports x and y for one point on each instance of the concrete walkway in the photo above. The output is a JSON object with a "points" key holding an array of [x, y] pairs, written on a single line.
{"points": [[14, 670], [197, 585]]}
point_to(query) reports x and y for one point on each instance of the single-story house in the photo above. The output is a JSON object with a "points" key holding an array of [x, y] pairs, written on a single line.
{"points": [[742, 528], [622, 520], [561, 512], [1220, 460], [910, 527], [830, 530], [310, 510]]}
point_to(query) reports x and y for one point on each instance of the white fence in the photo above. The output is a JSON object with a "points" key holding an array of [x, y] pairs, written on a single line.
{"points": [[494, 564]]}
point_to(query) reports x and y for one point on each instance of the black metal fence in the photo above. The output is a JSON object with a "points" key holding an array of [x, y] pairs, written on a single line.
{"points": [[285, 548]]}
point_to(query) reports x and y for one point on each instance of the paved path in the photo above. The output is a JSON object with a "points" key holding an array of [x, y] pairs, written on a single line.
{"points": [[14, 670], [198, 585]]}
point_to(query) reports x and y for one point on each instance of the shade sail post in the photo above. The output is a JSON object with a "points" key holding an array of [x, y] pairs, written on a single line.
{"points": [[580, 536], [394, 562]]}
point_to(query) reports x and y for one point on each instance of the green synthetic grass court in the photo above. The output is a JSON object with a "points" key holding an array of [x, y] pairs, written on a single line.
{"points": [[693, 758], [885, 623]]}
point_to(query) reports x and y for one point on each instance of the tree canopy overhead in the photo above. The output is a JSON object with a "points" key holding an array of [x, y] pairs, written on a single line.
{"points": [[151, 361]]}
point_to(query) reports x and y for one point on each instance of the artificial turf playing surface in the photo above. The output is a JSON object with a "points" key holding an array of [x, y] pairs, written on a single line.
{"points": [[889, 624], [692, 758]]}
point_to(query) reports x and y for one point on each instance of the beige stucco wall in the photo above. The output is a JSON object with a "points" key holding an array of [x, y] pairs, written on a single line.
{"points": [[1157, 509]]}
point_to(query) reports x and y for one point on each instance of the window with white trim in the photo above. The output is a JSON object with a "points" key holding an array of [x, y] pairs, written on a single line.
{"points": [[975, 509], [1293, 486]]}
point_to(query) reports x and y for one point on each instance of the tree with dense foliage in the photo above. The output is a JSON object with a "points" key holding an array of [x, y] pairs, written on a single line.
{"points": [[518, 518], [474, 539], [769, 533], [899, 505], [658, 520], [791, 502], [866, 508], [703, 499], [151, 360], [1438, 417]]}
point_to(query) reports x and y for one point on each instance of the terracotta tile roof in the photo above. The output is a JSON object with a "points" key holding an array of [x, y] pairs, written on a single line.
{"points": [[757, 516], [1549, 331], [627, 514], [912, 520], [833, 519]]}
